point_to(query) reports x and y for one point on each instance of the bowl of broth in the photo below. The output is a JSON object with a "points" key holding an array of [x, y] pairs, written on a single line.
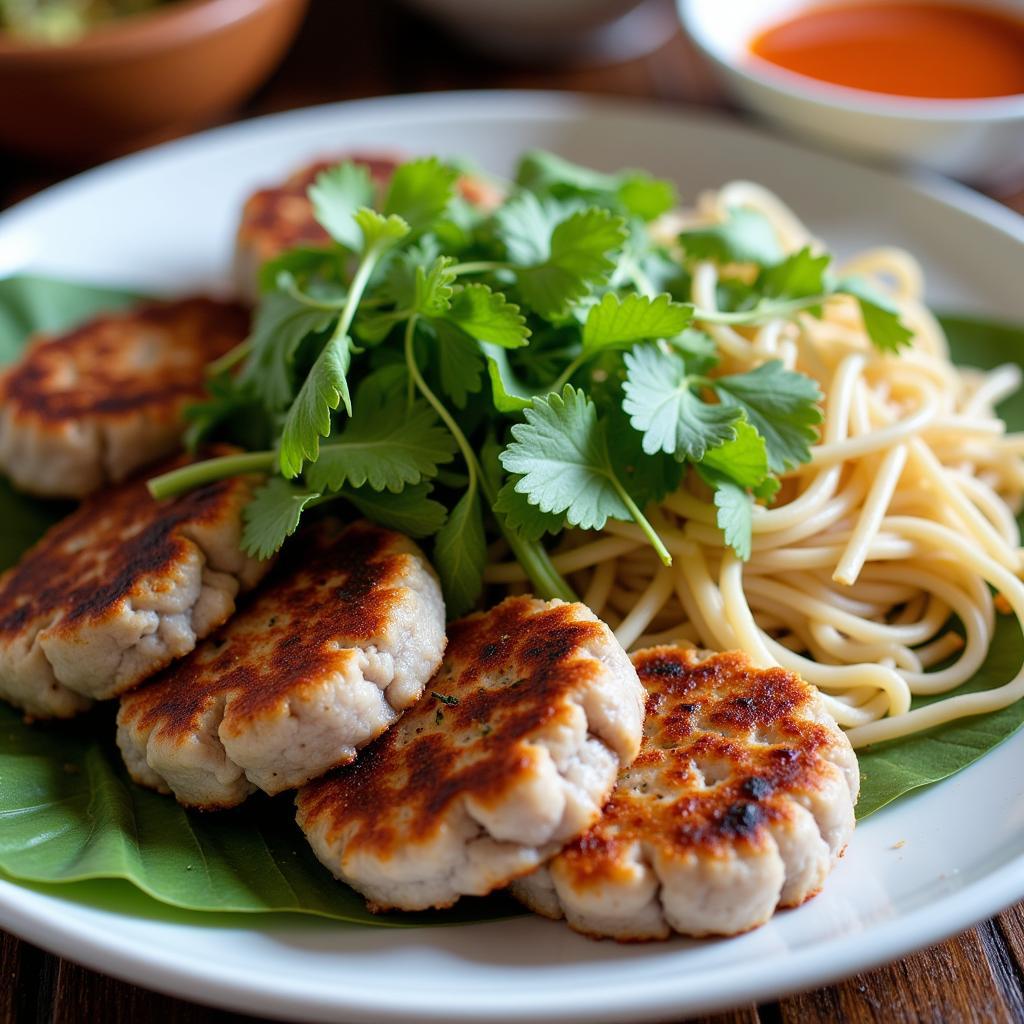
{"points": [[935, 83]]}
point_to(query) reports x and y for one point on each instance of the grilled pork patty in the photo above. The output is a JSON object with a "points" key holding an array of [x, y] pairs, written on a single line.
{"points": [[509, 755], [335, 645], [740, 802], [119, 589], [89, 407]]}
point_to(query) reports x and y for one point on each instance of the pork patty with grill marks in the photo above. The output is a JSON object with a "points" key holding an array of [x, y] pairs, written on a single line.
{"points": [[119, 589], [740, 801], [89, 407], [510, 754], [335, 645]]}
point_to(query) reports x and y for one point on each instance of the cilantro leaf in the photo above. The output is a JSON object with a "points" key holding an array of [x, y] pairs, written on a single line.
{"points": [[697, 348], [798, 276], [433, 287], [663, 404], [646, 477], [636, 192], [519, 514], [616, 322], [508, 393], [561, 457], [646, 197], [524, 225], [282, 322], [420, 191], [578, 257], [336, 195], [272, 516], [735, 512], [744, 459], [781, 404], [745, 236], [487, 316], [460, 363], [379, 232], [881, 318], [411, 511], [460, 553], [384, 445], [301, 262], [309, 417]]}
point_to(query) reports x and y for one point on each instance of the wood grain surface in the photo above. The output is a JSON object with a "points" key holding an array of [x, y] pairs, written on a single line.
{"points": [[355, 48]]}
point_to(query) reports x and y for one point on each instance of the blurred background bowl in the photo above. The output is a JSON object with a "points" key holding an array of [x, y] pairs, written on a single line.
{"points": [[141, 78], [979, 140], [594, 31]]}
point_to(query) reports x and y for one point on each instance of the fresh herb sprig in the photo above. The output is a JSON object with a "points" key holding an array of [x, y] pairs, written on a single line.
{"points": [[473, 376]]}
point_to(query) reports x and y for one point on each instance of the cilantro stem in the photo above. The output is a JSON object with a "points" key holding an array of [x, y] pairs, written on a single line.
{"points": [[762, 311], [198, 473], [566, 374], [230, 359], [531, 555], [478, 267], [641, 520]]}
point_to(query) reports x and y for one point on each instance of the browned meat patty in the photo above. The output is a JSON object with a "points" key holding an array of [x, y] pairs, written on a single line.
{"points": [[87, 408], [740, 801], [510, 753], [117, 590], [334, 646]]}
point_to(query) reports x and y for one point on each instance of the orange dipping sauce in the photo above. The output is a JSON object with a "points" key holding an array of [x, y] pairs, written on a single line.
{"points": [[918, 49]]}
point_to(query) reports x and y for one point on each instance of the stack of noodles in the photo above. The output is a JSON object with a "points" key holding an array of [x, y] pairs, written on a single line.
{"points": [[902, 522]]}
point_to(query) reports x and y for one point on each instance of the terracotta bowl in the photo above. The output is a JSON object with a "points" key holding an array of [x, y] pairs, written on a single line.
{"points": [[139, 79]]}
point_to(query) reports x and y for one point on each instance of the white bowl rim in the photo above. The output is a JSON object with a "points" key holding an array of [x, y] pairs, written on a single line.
{"points": [[855, 101]]}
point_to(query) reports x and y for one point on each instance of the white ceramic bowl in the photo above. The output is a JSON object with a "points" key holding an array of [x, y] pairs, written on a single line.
{"points": [[980, 140]]}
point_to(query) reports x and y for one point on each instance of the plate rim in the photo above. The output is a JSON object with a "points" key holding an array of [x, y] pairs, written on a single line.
{"points": [[31, 914]]}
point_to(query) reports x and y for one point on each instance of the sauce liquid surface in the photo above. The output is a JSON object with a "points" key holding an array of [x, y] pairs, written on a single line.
{"points": [[917, 49]]}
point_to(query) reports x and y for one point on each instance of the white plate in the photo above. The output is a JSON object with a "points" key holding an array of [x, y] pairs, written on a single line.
{"points": [[916, 872]]}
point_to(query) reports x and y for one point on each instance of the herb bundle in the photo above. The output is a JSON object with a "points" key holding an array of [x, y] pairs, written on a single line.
{"points": [[461, 373]]}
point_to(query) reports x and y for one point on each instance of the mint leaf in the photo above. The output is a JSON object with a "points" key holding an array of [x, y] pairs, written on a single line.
{"points": [[459, 362], [745, 236], [663, 404], [336, 195], [617, 322], [385, 445], [487, 316], [528, 519], [881, 318], [420, 191], [579, 256], [309, 417], [798, 276], [460, 553], [561, 457], [272, 516], [781, 404], [411, 511], [281, 324]]}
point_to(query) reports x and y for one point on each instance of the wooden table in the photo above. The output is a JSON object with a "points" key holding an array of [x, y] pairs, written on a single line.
{"points": [[355, 48]]}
